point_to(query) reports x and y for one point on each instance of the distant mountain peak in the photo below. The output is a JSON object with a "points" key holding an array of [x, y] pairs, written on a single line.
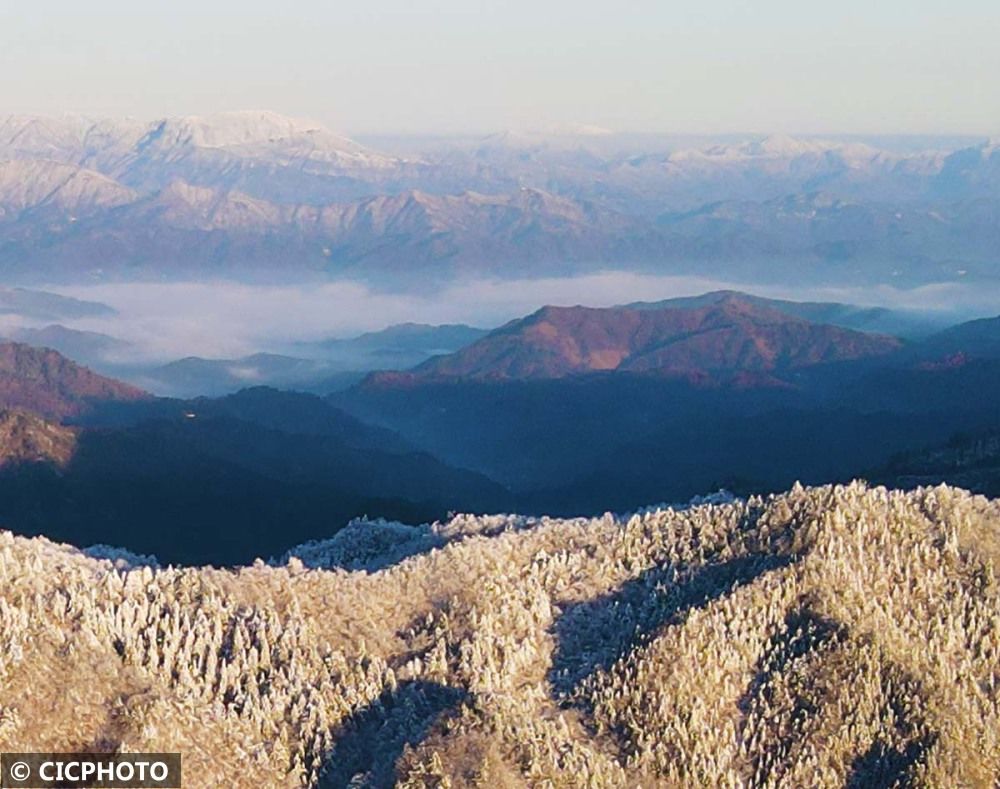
{"points": [[572, 129], [555, 136], [781, 145], [256, 193]]}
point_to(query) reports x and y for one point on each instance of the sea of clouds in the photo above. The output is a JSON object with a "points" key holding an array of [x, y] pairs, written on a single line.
{"points": [[164, 321]]}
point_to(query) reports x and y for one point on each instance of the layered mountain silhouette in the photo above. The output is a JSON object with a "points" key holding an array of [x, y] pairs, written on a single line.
{"points": [[223, 490], [567, 411], [95, 350], [319, 366], [40, 305], [396, 344], [580, 410], [203, 480]]}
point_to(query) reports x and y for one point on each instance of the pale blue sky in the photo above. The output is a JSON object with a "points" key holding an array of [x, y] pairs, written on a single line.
{"points": [[460, 65]]}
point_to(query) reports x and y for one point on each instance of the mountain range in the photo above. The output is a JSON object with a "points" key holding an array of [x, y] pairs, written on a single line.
{"points": [[257, 195], [568, 411], [585, 409], [40, 305], [320, 366]]}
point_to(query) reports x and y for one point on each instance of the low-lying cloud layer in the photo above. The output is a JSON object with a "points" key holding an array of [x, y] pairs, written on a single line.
{"points": [[226, 319]]}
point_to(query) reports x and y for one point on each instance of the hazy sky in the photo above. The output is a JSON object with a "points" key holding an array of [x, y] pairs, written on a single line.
{"points": [[920, 66]]}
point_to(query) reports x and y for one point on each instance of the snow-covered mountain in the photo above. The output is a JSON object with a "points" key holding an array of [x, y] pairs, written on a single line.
{"points": [[61, 190], [971, 172], [71, 139], [262, 150], [257, 192], [80, 140], [184, 231]]}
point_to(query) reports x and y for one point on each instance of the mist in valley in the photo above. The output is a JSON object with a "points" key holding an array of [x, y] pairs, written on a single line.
{"points": [[160, 322]]}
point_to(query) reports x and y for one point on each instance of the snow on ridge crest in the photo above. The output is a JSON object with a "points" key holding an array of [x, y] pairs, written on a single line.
{"points": [[229, 129]]}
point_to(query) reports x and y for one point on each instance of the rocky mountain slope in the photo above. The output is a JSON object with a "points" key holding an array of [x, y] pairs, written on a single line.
{"points": [[27, 438], [826, 637]]}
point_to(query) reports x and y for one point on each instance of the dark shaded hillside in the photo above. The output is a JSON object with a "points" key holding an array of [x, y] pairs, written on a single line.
{"points": [[955, 383], [298, 413], [617, 442], [766, 399], [571, 407], [207, 480], [969, 460], [287, 412], [975, 339], [221, 490]]}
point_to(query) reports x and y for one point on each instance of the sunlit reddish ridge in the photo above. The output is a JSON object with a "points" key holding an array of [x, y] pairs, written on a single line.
{"points": [[732, 337], [27, 438], [46, 383]]}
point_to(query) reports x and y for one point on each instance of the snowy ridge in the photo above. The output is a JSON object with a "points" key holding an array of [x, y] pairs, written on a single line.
{"points": [[373, 544]]}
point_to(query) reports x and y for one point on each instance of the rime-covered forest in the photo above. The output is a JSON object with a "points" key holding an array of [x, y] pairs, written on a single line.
{"points": [[824, 637]]}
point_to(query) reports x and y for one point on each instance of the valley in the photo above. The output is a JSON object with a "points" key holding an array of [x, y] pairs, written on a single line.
{"points": [[568, 412]]}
